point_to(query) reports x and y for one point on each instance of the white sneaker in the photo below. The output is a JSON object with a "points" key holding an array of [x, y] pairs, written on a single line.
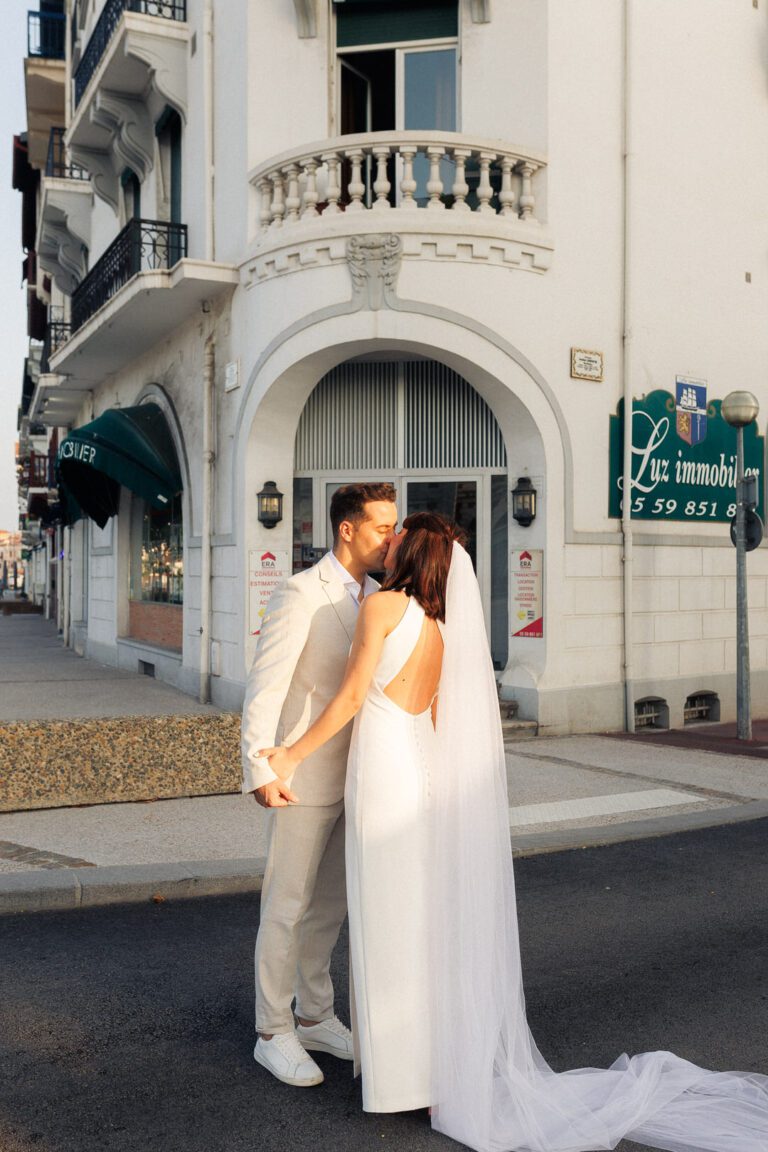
{"points": [[285, 1058], [327, 1036]]}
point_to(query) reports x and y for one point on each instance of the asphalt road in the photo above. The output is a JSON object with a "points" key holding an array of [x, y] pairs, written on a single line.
{"points": [[130, 1027]]}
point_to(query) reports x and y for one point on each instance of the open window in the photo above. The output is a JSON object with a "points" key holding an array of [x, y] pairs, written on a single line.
{"points": [[398, 71]]}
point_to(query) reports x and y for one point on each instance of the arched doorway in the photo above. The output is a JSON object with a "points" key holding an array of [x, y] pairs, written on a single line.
{"points": [[422, 426]]}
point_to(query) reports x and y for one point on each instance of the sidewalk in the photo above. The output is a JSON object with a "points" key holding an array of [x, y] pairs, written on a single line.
{"points": [[565, 792]]}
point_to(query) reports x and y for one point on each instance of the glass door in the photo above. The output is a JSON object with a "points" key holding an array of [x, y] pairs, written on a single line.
{"points": [[356, 116], [455, 499], [427, 100]]}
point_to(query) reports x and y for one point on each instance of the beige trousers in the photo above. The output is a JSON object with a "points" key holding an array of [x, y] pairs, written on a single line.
{"points": [[303, 904]]}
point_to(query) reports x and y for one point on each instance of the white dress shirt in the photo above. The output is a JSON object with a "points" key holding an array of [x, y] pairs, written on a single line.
{"points": [[349, 582]]}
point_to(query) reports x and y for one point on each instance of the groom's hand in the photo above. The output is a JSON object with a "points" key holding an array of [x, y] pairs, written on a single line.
{"points": [[276, 794]]}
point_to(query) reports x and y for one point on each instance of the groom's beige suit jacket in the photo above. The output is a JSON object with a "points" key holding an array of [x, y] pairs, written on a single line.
{"points": [[303, 647]]}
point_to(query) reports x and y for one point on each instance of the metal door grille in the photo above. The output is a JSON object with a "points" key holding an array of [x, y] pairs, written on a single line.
{"points": [[350, 420], [414, 414], [447, 423]]}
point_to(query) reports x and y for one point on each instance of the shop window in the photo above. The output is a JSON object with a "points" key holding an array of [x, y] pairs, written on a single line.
{"points": [[157, 553]]}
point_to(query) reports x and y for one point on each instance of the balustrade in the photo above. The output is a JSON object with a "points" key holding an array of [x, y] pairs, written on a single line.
{"points": [[56, 334], [405, 171], [105, 28], [142, 246], [38, 471]]}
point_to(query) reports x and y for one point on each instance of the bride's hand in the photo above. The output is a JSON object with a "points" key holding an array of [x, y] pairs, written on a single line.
{"points": [[282, 763]]}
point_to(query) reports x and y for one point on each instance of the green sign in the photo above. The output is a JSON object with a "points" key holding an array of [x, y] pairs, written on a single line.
{"points": [[672, 478]]}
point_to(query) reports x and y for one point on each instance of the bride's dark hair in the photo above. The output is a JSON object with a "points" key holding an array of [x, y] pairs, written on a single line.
{"points": [[423, 559]]}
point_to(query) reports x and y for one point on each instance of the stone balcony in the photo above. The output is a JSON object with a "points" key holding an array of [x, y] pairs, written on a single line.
{"points": [[133, 66], [446, 196], [64, 217]]}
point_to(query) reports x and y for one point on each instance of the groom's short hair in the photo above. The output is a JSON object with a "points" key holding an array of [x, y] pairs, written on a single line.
{"points": [[349, 501]]}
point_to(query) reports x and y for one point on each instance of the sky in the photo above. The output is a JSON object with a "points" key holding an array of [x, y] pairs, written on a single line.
{"points": [[13, 315]]}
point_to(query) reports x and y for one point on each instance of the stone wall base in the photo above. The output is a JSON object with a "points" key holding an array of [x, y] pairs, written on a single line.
{"points": [[61, 763]]}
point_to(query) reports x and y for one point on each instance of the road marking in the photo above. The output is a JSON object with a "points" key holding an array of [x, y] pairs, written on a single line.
{"points": [[562, 810]]}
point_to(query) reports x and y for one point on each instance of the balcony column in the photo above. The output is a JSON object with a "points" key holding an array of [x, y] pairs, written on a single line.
{"points": [[484, 188], [278, 200], [381, 184], [292, 200], [310, 189], [265, 192], [408, 184], [527, 199], [333, 191], [460, 186], [435, 183], [507, 194], [356, 187]]}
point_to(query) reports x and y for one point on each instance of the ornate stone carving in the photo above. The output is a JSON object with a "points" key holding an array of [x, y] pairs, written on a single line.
{"points": [[166, 59], [64, 231], [62, 255], [98, 162], [374, 264], [128, 122]]}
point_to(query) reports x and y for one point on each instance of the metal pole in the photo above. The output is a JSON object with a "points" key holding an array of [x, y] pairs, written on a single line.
{"points": [[743, 709]]}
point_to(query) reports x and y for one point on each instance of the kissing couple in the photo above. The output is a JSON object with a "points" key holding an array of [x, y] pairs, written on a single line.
{"points": [[399, 738]]}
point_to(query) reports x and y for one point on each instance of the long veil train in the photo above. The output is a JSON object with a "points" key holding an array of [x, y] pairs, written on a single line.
{"points": [[493, 1090]]}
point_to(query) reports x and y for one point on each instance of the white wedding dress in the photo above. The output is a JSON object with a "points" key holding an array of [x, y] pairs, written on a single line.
{"points": [[438, 1005], [387, 844]]}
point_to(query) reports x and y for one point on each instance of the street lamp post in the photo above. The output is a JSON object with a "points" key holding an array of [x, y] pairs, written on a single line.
{"points": [[739, 409]]}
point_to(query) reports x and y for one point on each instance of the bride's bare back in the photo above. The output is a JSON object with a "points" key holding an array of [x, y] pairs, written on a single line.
{"points": [[414, 687]]}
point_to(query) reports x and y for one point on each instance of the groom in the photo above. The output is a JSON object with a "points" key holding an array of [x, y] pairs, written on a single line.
{"points": [[299, 664]]}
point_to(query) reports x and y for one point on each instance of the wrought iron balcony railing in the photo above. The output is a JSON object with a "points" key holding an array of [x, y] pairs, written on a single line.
{"points": [[142, 246], [57, 163], [45, 34], [105, 28], [56, 334], [37, 471]]}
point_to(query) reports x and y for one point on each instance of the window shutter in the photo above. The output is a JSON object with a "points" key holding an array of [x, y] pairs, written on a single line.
{"points": [[388, 21]]}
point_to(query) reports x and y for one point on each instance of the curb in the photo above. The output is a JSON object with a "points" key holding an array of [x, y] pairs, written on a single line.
{"points": [[65, 888]]}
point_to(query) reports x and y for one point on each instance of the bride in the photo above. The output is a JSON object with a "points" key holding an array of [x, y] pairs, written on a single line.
{"points": [[437, 995]]}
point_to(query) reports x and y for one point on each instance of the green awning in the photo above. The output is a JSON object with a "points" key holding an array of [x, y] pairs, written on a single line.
{"points": [[131, 447]]}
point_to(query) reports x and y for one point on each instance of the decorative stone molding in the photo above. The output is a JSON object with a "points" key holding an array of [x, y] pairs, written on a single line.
{"points": [[62, 255], [128, 123], [306, 18], [104, 178], [530, 255], [64, 231], [166, 60], [374, 264]]}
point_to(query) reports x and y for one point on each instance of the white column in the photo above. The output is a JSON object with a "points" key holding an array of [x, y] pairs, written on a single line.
{"points": [[381, 185], [356, 187], [435, 183], [460, 186], [333, 192]]}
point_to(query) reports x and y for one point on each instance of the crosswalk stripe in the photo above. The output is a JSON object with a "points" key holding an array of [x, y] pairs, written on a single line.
{"points": [[560, 810]]}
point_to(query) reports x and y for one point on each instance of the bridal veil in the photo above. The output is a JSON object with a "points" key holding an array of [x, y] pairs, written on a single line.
{"points": [[493, 1091]]}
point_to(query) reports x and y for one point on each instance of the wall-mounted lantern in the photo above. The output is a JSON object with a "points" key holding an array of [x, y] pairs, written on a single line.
{"points": [[270, 505], [524, 502]]}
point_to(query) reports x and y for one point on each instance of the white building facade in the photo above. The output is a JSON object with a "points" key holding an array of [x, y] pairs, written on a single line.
{"points": [[438, 243]]}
